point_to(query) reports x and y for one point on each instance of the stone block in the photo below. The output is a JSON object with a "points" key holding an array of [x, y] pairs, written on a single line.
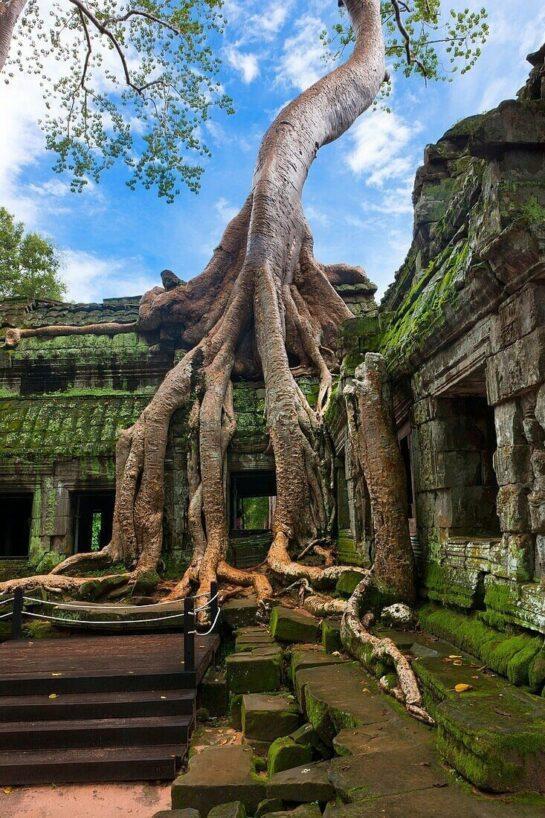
{"points": [[214, 693], [520, 552], [235, 809], [512, 464], [331, 635], [517, 368], [239, 613], [310, 782], [303, 811], [288, 625], [178, 813], [219, 775], [285, 753], [266, 717], [347, 582], [539, 569], [512, 506], [250, 638], [257, 671], [267, 806]]}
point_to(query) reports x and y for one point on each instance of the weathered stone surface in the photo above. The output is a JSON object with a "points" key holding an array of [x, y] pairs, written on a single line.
{"points": [[235, 809], [311, 656], [385, 773], [267, 806], [239, 613], [339, 696], [442, 802], [512, 507], [331, 635], [249, 638], [302, 784], [214, 693], [288, 625], [285, 753], [218, 775], [347, 583], [178, 813], [304, 811], [257, 671], [398, 615], [266, 717]]}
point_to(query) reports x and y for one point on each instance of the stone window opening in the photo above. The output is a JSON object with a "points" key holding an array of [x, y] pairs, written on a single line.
{"points": [[16, 517], [92, 514]]}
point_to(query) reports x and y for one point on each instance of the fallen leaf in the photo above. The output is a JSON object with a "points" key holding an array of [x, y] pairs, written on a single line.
{"points": [[56, 674], [454, 656], [462, 688], [7, 790], [457, 662], [52, 695]]}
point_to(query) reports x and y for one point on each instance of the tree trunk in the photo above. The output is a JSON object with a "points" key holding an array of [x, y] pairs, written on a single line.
{"points": [[262, 299], [382, 465], [10, 11]]}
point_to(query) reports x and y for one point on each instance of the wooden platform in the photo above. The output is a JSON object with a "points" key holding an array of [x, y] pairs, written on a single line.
{"points": [[97, 708]]}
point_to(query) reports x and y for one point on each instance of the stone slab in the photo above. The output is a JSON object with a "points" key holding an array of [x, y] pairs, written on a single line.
{"points": [[235, 809], [443, 802], [339, 696], [391, 772], [219, 775], [256, 671], [302, 784], [238, 613], [267, 717], [287, 625]]}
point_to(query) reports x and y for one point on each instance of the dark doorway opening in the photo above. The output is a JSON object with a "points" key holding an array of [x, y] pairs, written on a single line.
{"points": [[252, 504], [253, 497], [15, 517], [93, 514]]}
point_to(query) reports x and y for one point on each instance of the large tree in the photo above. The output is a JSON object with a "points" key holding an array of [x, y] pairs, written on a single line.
{"points": [[29, 263], [262, 304]]}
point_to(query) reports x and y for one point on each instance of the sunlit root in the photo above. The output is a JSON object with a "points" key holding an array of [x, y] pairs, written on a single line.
{"points": [[355, 636]]}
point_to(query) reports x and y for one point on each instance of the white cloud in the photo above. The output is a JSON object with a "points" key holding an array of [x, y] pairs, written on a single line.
{"points": [[301, 63], [246, 64], [225, 211], [380, 146], [90, 278]]}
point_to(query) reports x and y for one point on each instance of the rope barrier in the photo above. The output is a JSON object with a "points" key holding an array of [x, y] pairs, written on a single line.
{"points": [[202, 607], [5, 616], [6, 601], [100, 621], [211, 628], [98, 606]]}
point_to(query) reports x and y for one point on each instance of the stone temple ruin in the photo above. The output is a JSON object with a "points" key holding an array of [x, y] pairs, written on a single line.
{"points": [[462, 329]]}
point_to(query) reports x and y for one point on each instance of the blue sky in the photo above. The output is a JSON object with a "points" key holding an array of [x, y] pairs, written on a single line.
{"points": [[358, 196]]}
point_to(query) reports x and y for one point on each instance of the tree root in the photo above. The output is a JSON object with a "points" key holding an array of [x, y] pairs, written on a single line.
{"points": [[355, 636], [14, 335], [60, 584]]}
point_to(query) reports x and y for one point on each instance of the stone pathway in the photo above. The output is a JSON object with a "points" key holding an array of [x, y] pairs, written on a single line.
{"points": [[383, 762]]}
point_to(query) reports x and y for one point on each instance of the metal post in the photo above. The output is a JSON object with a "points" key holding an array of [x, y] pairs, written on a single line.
{"points": [[17, 614], [214, 604], [190, 624]]}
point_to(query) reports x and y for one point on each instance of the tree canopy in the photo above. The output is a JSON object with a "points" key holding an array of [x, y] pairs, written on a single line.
{"points": [[132, 81], [29, 263]]}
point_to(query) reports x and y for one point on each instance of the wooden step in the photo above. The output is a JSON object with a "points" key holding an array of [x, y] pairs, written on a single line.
{"points": [[133, 732], [107, 705], [93, 764], [28, 684]]}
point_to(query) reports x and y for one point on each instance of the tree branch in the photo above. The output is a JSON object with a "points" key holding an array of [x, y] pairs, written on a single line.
{"points": [[411, 59], [139, 89]]}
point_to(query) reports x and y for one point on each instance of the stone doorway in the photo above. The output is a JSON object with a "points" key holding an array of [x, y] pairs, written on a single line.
{"points": [[15, 521], [92, 514], [251, 509]]}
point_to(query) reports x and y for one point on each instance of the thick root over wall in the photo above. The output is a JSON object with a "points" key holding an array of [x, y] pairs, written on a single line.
{"points": [[262, 303]]}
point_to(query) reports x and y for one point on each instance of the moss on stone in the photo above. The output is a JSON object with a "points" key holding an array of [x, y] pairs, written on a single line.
{"points": [[284, 753], [287, 625], [450, 586], [331, 635], [511, 655]]}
